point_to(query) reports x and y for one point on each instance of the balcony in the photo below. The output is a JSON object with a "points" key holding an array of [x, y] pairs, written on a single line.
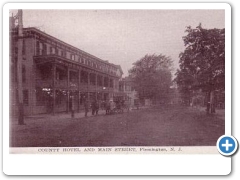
{"points": [[61, 84], [73, 85], [43, 83], [55, 58]]}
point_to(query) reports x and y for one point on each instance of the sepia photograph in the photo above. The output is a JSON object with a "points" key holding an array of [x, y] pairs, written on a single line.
{"points": [[116, 78]]}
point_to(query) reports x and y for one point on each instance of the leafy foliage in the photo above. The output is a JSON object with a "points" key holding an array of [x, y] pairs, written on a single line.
{"points": [[202, 64], [152, 76]]}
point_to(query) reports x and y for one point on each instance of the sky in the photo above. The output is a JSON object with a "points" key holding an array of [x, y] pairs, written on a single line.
{"points": [[123, 36]]}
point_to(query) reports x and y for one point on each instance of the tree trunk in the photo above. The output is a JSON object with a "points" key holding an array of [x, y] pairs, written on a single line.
{"points": [[212, 101]]}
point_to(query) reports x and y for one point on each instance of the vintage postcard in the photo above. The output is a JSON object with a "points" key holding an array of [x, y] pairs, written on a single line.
{"points": [[99, 81]]}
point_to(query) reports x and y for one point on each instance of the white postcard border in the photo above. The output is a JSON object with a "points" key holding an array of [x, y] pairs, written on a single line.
{"points": [[114, 164]]}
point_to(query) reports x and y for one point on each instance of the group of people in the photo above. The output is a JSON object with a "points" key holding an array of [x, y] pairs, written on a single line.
{"points": [[94, 106], [109, 106]]}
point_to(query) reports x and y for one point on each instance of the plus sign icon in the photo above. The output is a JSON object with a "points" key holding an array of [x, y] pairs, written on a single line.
{"points": [[227, 145]]}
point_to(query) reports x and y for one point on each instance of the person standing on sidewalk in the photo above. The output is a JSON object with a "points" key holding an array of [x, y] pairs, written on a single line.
{"points": [[112, 106], [93, 106], [107, 106], [86, 107], [72, 107], [97, 106]]}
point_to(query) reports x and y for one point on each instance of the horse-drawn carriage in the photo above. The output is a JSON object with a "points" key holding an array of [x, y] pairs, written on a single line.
{"points": [[114, 108]]}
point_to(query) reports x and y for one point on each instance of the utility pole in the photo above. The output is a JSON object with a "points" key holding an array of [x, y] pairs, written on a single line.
{"points": [[19, 70]]}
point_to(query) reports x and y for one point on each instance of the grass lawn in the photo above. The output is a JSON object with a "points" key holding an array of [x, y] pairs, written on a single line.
{"points": [[162, 126]]}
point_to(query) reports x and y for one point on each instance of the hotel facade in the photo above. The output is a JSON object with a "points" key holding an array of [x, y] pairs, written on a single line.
{"points": [[58, 77]]}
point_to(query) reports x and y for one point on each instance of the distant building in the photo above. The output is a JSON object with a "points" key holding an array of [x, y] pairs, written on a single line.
{"points": [[56, 75], [130, 94], [175, 97]]}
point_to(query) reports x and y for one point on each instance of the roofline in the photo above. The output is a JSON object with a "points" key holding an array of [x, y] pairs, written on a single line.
{"points": [[120, 68], [66, 44]]}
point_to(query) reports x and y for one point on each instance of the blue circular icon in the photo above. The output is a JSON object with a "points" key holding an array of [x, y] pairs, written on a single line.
{"points": [[227, 145]]}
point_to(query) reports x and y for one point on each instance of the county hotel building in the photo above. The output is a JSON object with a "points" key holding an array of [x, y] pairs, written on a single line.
{"points": [[57, 76]]}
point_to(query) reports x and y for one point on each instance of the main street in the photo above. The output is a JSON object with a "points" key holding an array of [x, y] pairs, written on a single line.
{"points": [[155, 126]]}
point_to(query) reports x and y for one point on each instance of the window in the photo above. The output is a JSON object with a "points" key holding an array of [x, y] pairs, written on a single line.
{"points": [[72, 57], [39, 97], [63, 53], [84, 77], [128, 88], [44, 49], [99, 80], [45, 71], [52, 50], [25, 97], [23, 73], [111, 83], [106, 82], [44, 97], [40, 48], [56, 51], [37, 48], [116, 86], [68, 55], [61, 97], [92, 79], [73, 76], [60, 74]]}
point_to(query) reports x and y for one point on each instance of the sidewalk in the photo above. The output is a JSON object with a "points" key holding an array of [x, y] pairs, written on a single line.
{"points": [[65, 116], [60, 116], [219, 112]]}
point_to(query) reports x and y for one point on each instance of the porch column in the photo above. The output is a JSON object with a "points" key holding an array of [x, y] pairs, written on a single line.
{"points": [[79, 94], [54, 89], [68, 93], [88, 84], [96, 86], [109, 86]]}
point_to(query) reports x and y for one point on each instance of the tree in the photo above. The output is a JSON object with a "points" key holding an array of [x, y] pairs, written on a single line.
{"points": [[202, 64], [152, 77], [184, 81]]}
